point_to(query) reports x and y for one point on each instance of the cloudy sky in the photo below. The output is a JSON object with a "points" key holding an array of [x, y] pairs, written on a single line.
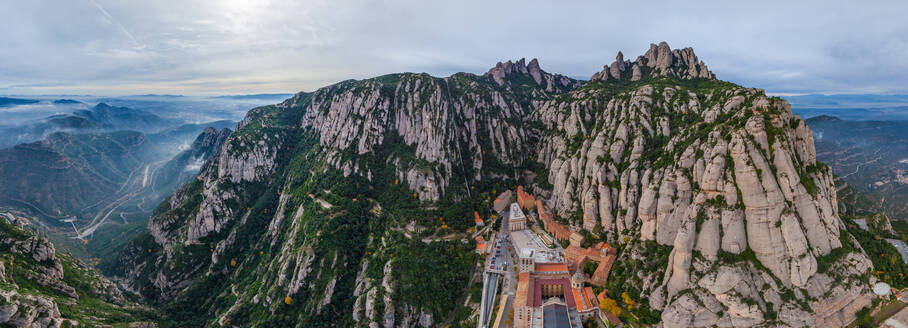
{"points": [[204, 47]]}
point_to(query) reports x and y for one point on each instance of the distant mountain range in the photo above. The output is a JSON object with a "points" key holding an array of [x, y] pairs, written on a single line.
{"points": [[9, 102], [260, 96], [852, 107], [99, 118]]}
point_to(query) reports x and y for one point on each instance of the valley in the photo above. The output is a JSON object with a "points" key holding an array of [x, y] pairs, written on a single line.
{"points": [[869, 156]]}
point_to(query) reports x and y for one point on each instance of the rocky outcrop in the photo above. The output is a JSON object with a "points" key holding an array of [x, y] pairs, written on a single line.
{"points": [[655, 153], [20, 310], [33, 283], [659, 60], [732, 178]]}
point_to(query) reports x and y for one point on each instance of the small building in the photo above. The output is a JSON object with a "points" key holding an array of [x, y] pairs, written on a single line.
{"points": [[502, 201], [477, 219], [525, 200], [526, 260], [480, 245], [558, 230], [576, 239]]}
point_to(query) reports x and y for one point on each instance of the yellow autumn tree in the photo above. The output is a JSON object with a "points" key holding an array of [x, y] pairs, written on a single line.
{"points": [[610, 305], [628, 300], [288, 300]]}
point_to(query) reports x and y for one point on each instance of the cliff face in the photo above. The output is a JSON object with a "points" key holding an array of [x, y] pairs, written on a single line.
{"points": [[714, 171], [42, 288], [322, 203]]}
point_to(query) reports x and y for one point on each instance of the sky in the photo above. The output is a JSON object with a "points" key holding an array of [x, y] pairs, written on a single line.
{"points": [[210, 47]]}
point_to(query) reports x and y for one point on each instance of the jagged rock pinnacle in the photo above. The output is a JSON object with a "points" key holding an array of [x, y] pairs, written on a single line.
{"points": [[661, 61]]}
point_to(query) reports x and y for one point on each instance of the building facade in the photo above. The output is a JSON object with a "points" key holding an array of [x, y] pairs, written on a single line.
{"points": [[517, 220]]}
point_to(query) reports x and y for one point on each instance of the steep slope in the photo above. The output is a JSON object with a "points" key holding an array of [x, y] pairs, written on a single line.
{"points": [[70, 174], [299, 200], [187, 163], [67, 172], [40, 287], [348, 205], [723, 175], [109, 239]]}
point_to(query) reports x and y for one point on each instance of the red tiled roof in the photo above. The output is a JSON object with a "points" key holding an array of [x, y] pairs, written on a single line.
{"points": [[524, 291], [524, 199], [551, 267], [560, 231], [578, 299], [601, 297], [590, 296]]}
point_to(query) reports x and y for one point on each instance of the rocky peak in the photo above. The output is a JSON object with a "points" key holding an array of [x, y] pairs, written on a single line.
{"points": [[551, 82], [659, 60], [534, 70], [211, 138], [502, 70]]}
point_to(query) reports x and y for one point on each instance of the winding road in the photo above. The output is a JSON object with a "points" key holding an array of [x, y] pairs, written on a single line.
{"points": [[147, 179], [858, 166]]}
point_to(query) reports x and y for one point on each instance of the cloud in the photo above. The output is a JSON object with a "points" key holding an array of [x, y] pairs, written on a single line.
{"points": [[245, 46], [115, 22]]}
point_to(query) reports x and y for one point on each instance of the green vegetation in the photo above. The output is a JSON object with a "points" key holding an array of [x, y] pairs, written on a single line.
{"points": [[887, 262], [426, 274], [626, 276], [95, 306], [590, 267]]}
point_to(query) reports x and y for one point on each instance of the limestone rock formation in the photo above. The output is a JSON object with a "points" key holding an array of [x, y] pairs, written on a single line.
{"points": [[714, 186], [36, 282]]}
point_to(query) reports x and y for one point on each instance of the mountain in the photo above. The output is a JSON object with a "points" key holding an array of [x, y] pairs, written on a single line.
{"points": [[857, 107], [187, 163], [123, 118], [181, 137], [40, 287], [93, 177], [869, 156], [10, 102], [823, 118], [100, 118], [349, 206], [66, 173], [160, 182]]}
